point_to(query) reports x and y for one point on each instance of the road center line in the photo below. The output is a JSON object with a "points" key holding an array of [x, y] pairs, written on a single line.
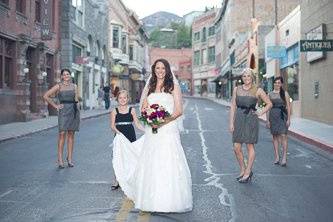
{"points": [[225, 198]]}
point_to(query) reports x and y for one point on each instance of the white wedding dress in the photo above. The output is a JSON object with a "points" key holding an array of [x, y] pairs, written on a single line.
{"points": [[153, 170]]}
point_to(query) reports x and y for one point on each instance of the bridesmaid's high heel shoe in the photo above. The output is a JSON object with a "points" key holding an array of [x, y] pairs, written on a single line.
{"points": [[247, 179], [240, 176], [61, 165], [69, 163]]}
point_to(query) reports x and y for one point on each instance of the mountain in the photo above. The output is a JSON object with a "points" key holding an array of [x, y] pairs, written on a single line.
{"points": [[160, 19]]}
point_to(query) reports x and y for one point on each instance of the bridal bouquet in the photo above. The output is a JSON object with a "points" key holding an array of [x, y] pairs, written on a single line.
{"points": [[154, 115]]}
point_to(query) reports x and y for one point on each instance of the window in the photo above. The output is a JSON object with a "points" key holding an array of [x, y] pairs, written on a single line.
{"points": [[203, 56], [76, 52], [287, 32], [98, 49], [115, 37], [7, 51], [131, 52], [211, 31], [124, 43], [197, 36], [196, 58], [4, 2], [37, 11], [211, 55], [78, 12], [89, 45], [203, 35], [49, 67], [20, 6]]}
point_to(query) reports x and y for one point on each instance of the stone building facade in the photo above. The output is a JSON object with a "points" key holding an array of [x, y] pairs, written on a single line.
{"points": [[28, 64], [84, 43], [316, 92]]}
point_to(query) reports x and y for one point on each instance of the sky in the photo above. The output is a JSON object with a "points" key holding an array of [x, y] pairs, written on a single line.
{"points": [[144, 8]]}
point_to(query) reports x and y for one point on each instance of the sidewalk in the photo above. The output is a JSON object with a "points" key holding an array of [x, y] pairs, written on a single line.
{"points": [[308, 131], [18, 129]]}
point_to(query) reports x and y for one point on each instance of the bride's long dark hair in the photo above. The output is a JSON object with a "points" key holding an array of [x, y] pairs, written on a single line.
{"points": [[168, 79]]}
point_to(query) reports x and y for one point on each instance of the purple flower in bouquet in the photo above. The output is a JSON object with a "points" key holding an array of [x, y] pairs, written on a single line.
{"points": [[154, 115]]}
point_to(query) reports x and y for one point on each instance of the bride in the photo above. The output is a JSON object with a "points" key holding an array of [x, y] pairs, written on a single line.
{"points": [[153, 170]]}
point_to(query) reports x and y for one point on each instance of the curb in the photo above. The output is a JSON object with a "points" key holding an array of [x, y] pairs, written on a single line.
{"points": [[49, 127], [297, 135]]}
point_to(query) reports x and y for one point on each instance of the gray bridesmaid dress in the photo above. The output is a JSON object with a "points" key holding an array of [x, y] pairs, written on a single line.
{"points": [[69, 115], [246, 125], [278, 115]]}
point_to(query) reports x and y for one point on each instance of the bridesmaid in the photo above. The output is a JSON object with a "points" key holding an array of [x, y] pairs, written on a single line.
{"points": [[122, 118], [68, 114], [244, 122], [278, 119]]}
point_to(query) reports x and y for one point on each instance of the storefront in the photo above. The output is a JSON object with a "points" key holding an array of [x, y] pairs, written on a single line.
{"points": [[289, 70]]}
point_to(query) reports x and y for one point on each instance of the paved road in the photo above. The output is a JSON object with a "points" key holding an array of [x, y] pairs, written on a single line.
{"points": [[33, 189]]}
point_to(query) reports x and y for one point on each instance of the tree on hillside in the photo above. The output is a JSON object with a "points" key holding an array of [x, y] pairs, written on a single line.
{"points": [[184, 35]]}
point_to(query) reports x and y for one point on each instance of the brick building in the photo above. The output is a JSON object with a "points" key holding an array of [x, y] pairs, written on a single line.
{"points": [[28, 64], [179, 60], [203, 49], [184, 75]]}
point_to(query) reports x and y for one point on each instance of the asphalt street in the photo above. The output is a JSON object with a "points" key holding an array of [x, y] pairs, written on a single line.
{"points": [[33, 189]]}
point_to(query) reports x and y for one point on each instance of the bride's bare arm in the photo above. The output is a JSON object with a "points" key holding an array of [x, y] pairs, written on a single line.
{"points": [[178, 103], [143, 100]]}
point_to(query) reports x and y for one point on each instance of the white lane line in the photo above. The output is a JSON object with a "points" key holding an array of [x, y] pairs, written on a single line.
{"points": [[6, 193], [226, 199]]}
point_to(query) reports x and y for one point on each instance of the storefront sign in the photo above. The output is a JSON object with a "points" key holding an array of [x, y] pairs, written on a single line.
{"points": [[315, 34], [276, 52], [316, 45], [81, 60], [46, 18]]}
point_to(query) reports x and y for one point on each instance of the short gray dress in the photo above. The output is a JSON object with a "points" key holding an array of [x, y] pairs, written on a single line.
{"points": [[246, 125], [69, 115], [278, 115]]}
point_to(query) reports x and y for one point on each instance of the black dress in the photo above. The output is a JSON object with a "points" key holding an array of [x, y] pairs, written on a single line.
{"points": [[123, 123]]}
